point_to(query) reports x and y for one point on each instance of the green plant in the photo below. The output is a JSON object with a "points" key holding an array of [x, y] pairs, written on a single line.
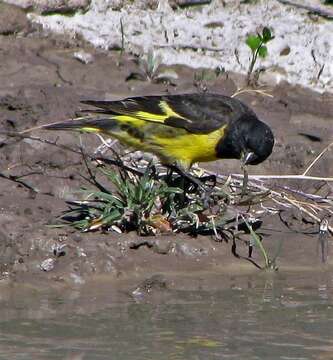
{"points": [[133, 205], [122, 47], [149, 70], [144, 202], [256, 241], [204, 76], [149, 202], [257, 44]]}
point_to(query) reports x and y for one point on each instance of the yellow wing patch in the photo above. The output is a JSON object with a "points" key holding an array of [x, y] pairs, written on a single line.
{"points": [[169, 112], [160, 118], [132, 120], [150, 116], [90, 129]]}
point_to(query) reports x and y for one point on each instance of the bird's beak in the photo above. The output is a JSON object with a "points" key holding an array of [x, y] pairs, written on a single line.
{"points": [[247, 157]]}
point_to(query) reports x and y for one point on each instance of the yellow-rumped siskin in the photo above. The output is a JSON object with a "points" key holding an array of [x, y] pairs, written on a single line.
{"points": [[180, 129]]}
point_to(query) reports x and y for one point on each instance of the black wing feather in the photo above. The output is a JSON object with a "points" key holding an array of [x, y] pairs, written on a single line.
{"points": [[128, 105], [200, 113]]}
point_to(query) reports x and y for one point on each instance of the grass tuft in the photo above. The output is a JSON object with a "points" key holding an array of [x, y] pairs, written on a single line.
{"points": [[135, 195]]}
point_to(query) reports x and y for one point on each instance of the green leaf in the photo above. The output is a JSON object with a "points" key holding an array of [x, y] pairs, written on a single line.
{"points": [[262, 52], [172, 190], [253, 42], [107, 197], [258, 244], [266, 35], [111, 218]]}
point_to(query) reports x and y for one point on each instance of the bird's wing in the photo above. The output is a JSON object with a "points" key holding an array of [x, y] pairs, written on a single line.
{"points": [[196, 113]]}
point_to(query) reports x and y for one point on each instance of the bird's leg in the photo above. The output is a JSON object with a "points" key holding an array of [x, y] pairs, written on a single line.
{"points": [[206, 193], [209, 178], [208, 189], [168, 177], [192, 179], [246, 157], [245, 180], [181, 183]]}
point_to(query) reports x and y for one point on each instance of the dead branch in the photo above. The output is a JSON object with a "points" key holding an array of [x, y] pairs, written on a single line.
{"points": [[317, 158], [291, 176]]}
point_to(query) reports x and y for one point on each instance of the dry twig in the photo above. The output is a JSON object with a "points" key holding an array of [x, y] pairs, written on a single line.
{"points": [[255, 91], [317, 158]]}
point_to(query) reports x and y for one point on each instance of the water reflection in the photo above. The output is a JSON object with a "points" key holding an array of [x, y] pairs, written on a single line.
{"points": [[263, 316]]}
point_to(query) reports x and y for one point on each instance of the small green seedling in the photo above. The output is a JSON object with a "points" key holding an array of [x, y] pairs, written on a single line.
{"points": [[257, 44], [205, 76], [149, 69], [131, 206], [269, 263]]}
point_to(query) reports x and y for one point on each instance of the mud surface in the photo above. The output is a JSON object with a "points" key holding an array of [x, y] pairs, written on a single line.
{"points": [[212, 35], [41, 82]]}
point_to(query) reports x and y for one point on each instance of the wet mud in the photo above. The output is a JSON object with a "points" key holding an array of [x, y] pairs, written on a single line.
{"points": [[41, 82]]}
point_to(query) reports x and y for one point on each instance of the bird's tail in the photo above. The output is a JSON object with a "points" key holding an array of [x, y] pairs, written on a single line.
{"points": [[87, 124]]}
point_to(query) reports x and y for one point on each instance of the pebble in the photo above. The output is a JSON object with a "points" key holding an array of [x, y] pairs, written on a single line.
{"points": [[51, 6], [83, 57], [48, 264]]}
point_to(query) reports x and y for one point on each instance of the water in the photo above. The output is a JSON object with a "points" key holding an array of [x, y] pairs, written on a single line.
{"points": [[282, 316]]}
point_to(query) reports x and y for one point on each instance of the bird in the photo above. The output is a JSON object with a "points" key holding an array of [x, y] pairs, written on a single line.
{"points": [[181, 129]]}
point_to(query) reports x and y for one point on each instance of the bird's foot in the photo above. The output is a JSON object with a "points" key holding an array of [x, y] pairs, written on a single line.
{"points": [[208, 180]]}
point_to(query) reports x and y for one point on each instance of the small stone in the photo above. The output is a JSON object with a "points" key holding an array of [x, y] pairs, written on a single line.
{"points": [[273, 76], [214, 25], [80, 252], [285, 51], [52, 6], [186, 3], [76, 237], [162, 246], [77, 279], [186, 249], [156, 282], [83, 57], [19, 267], [115, 5], [48, 264], [23, 4]]}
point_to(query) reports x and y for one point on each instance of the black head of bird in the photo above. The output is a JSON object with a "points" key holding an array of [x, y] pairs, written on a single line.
{"points": [[247, 139]]}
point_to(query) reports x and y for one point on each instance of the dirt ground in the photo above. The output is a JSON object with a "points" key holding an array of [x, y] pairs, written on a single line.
{"points": [[42, 82]]}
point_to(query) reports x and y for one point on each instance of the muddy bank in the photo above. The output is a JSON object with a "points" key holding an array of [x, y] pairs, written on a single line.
{"points": [[212, 35], [41, 82]]}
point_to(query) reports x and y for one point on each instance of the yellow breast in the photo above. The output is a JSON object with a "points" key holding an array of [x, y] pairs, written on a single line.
{"points": [[187, 148], [169, 143]]}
